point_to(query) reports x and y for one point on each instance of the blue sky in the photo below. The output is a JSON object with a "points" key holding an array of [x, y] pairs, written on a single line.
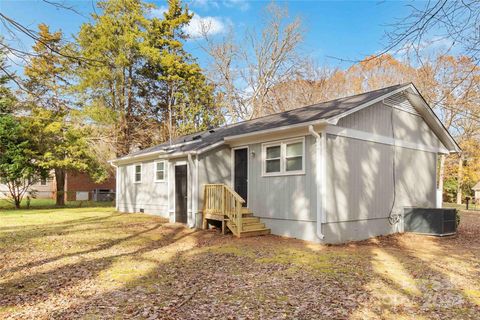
{"points": [[343, 29]]}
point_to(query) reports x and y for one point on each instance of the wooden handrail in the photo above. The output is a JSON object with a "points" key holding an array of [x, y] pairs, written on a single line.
{"points": [[234, 193], [220, 199]]}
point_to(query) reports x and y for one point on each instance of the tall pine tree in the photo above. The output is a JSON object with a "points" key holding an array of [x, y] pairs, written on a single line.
{"points": [[142, 76], [60, 140]]}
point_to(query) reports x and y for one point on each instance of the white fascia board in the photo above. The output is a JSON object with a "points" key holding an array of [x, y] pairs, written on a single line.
{"points": [[278, 129], [134, 158], [371, 137], [210, 147], [334, 120]]}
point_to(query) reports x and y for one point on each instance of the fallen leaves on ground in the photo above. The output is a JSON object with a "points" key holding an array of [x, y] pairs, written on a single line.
{"points": [[98, 264]]}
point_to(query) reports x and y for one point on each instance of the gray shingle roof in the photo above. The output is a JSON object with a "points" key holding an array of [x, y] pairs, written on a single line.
{"points": [[320, 111]]}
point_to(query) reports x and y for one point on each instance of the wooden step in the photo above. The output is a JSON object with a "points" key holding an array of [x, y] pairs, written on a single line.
{"points": [[251, 232], [250, 220], [253, 226], [246, 210], [254, 233]]}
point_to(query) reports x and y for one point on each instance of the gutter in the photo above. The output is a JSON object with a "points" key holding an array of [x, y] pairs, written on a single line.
{"points": [[319, 159], [279, 129]]}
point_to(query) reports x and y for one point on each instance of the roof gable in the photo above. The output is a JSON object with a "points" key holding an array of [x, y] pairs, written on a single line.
{"points": [[329, 111]]}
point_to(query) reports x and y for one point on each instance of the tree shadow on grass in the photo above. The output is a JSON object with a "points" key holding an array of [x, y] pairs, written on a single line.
{"points": [[34, 289], [406, 282], [230, 278], [104, 246]]}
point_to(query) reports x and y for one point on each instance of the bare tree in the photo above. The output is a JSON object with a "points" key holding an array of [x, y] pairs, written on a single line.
{"points": [[245, 72], [436, 21]]}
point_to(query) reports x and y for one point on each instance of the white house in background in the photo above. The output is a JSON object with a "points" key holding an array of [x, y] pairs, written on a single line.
{"points": [[476, 189], [43, 189], [331, 172]]}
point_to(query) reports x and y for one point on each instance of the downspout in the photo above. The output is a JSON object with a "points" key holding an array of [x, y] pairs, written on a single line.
{"points": [[197, 189], [318, 180], [117, 180], [192, 194]]}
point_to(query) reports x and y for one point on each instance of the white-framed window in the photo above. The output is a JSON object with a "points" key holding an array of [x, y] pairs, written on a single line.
{"points": [[160, 171], [137, 173], [286, 157], [43, 181]]}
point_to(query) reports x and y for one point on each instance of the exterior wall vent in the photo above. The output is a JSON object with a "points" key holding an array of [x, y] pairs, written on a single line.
{"points": [[401, 102]]}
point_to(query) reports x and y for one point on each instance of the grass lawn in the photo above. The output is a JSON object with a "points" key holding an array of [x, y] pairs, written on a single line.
{"points": [[50, 204], [94, 263]]}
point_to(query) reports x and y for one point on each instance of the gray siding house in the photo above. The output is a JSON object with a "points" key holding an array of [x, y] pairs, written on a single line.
{"points": [[332, 172]]}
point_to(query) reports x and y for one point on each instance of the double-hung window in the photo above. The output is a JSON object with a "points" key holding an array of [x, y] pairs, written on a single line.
{"points": [[273, 159], [138, 173], [160, 171], [284, 157]]}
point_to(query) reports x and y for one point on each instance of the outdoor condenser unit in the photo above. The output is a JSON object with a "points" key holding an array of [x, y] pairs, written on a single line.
{"points": [[432, 221]]}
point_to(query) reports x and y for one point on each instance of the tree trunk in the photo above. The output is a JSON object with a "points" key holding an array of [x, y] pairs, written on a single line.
{"points": [[460, 179], [60, 181], [441, 174], [17, 201]]}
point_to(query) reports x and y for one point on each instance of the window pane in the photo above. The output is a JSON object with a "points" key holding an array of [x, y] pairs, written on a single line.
{"points": [[160, 165], [294, 164], [160, 175], [138, 177], [294, 149], [273, 166], [138, 169], [273, 152]]}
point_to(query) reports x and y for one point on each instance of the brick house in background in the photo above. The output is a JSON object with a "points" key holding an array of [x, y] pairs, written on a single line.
{"points": [[78, 186]]}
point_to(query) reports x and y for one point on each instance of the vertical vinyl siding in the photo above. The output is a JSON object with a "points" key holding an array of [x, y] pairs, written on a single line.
{"points": [[377, 119], [214, 167], [282, 197], [359, 183], [148, 195], [360, 173], [360, 179], [374, 119]]}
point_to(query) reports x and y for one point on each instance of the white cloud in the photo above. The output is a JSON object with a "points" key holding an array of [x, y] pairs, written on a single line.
{"points": [[209, 25], [198, 25], [243, 5]]}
